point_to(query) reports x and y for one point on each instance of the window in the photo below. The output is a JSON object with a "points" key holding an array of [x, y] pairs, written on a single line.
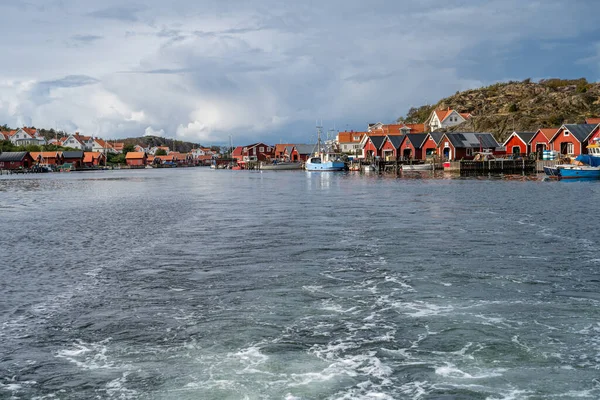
{"points": [[357, 138], [570, 148], [469, 151], [261, 149], [566, 133]]}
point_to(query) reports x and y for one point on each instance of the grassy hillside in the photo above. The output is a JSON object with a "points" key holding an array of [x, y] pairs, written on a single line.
{"points": [[522, 106]]}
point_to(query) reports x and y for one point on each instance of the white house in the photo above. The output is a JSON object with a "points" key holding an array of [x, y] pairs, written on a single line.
{"points": [[27, 136], [101, 146], [440, 119], [77, 141]]}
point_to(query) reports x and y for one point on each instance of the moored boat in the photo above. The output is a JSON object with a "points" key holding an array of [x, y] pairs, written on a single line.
{"points": [[570, 171], [324, 159], [417, 167], [281, 166]]}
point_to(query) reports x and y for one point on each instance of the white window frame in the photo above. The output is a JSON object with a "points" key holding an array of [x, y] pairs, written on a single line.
{"points": [[566, 133], [469, 151], [261, 149]]}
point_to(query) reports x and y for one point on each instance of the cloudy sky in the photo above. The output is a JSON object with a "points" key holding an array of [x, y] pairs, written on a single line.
{"points": [[265, 70]]}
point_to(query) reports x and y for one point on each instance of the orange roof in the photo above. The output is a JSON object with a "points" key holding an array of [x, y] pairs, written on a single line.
{"points": [[90, 156], [280, 148], [443, 114], [135, 155], [178, 155], [44, 154], [31, 131], [102, 143], [416, 128], [465, 115], [162, 158], [237, 151], [10, 133], [548, 132], [592, 121], [118, 145]]}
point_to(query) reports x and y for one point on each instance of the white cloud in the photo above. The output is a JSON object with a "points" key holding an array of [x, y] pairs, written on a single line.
{"points": [[258, 69], [152, 132]]}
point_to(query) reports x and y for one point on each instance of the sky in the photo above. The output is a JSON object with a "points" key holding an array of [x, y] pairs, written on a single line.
{"points": [[265, 70]]}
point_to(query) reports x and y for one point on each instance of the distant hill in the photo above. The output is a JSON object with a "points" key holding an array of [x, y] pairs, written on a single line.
{"points": [[151, 141], [522, 106]]}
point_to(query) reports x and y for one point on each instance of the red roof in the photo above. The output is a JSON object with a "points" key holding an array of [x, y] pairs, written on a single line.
{"points": [[237, 151], [548, 132], [592, 121]]}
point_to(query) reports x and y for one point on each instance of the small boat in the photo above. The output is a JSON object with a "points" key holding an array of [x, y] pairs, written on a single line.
{"points": [[417, 167], [570, 171], [369, 168], [324, 159], [281, 166]]}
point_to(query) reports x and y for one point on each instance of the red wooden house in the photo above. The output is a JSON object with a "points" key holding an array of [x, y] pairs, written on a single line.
{"points": [[411, 146], [15, 160], [457, 146], [517, 143], [390, 146], [258, 152], [572, 139], [301, 152], [238, 154], [541, 141], [430, 144], [74, 158], [47, 157], [136, 159], [92, 159], [371, 146]]}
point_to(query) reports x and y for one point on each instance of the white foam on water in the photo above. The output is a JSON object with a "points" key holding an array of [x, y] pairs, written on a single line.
{"points": [[89, 356], [422, 309], [451, 371], [116, 389], [515, 339], [399, 282], [515, 394], [250, 356], [415, 390], [313, 288], [329, 305]]}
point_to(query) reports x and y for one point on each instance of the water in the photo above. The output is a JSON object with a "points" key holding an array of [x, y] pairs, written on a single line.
{"points": [[199, 284]]}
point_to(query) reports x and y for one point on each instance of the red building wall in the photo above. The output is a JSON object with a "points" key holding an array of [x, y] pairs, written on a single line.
{"points": [[415, 154], [539, 139], [136, 162], [560, 139], [429, 145], [388, 146], [515, 141], [369, 147]]}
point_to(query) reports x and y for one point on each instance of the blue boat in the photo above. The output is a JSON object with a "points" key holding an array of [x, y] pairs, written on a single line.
{"points": [[571, 171], [324, 159]]}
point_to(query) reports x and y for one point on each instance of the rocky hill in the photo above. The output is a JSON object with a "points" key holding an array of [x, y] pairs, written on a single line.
{"points": [[522, 106]]}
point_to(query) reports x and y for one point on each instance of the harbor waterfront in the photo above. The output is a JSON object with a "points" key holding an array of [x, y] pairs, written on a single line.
{"points": [[194, 283]]}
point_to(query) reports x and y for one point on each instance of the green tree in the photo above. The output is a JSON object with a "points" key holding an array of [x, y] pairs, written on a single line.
{"points": [[160, 152], [128, 148]]}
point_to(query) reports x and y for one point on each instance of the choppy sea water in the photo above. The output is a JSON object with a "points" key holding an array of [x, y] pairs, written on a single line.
{"points": [[199, 284]]}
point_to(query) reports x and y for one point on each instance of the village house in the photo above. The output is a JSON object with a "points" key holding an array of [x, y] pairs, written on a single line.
{"points": [[411, 146], [572, 139], [118, 147], [257, 152], [47, 157], [541, 141], [457, 146], [349, 142], [136, 159], [154, 149], [518, 143], [390, 146], [26, 136], [442, 119], [300, 152], [380, 129], [75, 158], [79, 142], [280, 151], [15, 160], [102, 146], [167, 160], [371, 147], [430, 144], [592, 121], [93, 159]]}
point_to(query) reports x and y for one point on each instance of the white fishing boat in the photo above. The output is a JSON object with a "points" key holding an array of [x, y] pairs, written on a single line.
{"points": [[324, 158]]}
